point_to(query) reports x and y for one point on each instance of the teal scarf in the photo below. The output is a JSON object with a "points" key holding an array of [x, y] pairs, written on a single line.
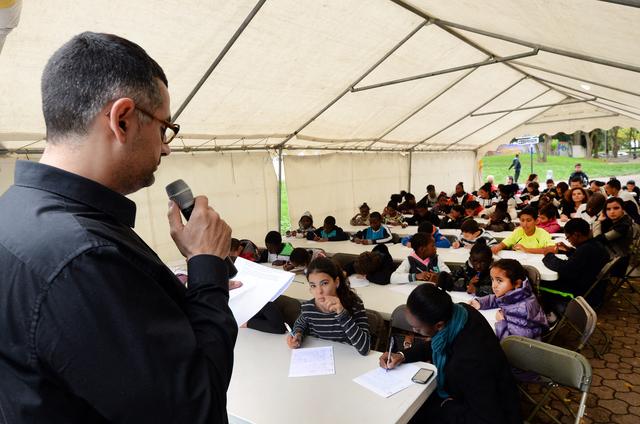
{"points": [[443, 339]]}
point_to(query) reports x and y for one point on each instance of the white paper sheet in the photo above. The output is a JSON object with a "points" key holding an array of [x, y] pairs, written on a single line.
{"points": [[387, 383], [357, 280], [260, 285], [402, 288], [312, 361]]}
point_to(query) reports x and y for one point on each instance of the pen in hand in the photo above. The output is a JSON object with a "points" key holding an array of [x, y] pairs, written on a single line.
{"points": [[389, 356], [289, 330]]}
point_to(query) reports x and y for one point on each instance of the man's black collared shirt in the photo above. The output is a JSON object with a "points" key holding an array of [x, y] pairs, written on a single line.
{"points": [[93, 326]]}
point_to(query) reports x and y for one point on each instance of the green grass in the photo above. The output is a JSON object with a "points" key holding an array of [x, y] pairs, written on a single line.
{"points": [[285, 219], [561, 166]]}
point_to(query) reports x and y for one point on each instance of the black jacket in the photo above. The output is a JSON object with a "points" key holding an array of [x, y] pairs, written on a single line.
{"points": [[478, 376], [94, 328], [339, 236]]}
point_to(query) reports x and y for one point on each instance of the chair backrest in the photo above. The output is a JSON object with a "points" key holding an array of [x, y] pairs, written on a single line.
{"points": [[603, 274], [583, 317], [534, 278], [398, 319], [376, 328], [563, 366]]}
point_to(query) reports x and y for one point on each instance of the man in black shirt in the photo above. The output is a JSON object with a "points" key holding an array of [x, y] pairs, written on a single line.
{"points": [[516, 165], [94, 327]]}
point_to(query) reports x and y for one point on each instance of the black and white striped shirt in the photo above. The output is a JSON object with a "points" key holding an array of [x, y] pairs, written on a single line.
{"points": [[343, 327]]}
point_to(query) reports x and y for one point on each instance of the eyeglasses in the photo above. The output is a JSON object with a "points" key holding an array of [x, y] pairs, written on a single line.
{"points": [[168, 132]]}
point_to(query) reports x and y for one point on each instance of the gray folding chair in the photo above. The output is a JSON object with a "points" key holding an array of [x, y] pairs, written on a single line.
{"points": [[626, 281], [376, 328], [534, 278], [582, 319], [604, 277], [398, 321], [555, 366]]}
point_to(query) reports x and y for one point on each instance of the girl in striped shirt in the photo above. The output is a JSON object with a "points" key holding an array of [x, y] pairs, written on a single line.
{"points": [[335, 313]]}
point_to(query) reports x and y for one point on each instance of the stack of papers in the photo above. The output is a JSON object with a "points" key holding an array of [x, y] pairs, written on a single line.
{"points": [[260, 285], [306, 362]]}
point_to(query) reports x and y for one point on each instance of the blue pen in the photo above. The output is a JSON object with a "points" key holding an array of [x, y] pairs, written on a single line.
{"points": [[289, 330]]}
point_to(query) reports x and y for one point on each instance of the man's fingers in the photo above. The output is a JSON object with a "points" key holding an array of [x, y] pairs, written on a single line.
{"points": [[175, 220]]}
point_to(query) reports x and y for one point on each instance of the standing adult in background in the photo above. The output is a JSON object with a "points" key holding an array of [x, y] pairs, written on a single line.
{"points": [[94, 328], [579, 173], [516, 165]]}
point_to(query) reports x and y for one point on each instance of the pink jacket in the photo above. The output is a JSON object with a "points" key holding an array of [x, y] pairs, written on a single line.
{"points": [[550, 226]]}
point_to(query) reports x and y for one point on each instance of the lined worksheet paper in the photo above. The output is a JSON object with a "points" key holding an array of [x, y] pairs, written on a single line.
{"points": [[386, 383], [311, 361]]}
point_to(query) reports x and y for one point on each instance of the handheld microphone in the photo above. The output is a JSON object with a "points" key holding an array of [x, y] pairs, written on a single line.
{"points": [[179, 192]]}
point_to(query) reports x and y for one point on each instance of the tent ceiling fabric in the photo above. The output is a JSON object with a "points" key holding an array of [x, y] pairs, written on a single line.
{"points": [[299, 74]]}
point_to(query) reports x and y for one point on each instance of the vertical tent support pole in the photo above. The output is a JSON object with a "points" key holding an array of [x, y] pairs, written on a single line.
{"points": [[410, 165], [279, 189]]}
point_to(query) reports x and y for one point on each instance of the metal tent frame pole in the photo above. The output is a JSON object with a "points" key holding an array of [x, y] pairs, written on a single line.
{"points": [[492, 60], [427, 103], [410, 165], [469, 114], [560, 103], [279, 189], [218, 59], [363, 76]]}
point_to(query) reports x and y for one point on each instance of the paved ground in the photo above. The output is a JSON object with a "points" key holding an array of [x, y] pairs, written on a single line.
{"points": [[615, 391]]}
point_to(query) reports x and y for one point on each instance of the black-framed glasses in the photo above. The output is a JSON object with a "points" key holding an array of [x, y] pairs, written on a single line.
{"points": [[169, 131]]}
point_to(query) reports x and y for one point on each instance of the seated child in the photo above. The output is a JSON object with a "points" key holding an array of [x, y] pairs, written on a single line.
{"points": [[423, 264], [499, 219], [444, 204], [335, 312], [520, 314], [527, 237], [376, 266], [328, 232], [470, 233], [391, 216], [361, 218], [577, 273], [301, 257], [277, 252], [305, 225], [548, 219], [245, 249], [429, 228], [376, 233], [454, 219], [474, 277], [592, 208], [422, 213], [472, 208], [408, 205]]}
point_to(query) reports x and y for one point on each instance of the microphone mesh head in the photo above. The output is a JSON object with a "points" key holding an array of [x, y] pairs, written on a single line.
{"points": [[179, 192]]}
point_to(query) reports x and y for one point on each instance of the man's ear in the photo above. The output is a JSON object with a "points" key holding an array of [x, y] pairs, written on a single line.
{"points": [[440, 325], [121, 115]]}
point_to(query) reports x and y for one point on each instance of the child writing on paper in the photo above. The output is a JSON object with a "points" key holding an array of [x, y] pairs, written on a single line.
{"points": [[376, 233], [474, 277], [335, 313], [305, 225], [527, 237], [429, 228], [423, 265], [277, 252], [470, 233], [376, 266], [520, 314], [301, 257], [328, 232]]}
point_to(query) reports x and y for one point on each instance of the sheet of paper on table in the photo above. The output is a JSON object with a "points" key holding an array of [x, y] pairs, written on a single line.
{"points": [[387, 383], [306, 362], [260, 285], [356, 280]]}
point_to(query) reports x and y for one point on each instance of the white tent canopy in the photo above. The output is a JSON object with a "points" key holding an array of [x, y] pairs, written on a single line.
{"points": [[307, 72], [395, 76]]}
